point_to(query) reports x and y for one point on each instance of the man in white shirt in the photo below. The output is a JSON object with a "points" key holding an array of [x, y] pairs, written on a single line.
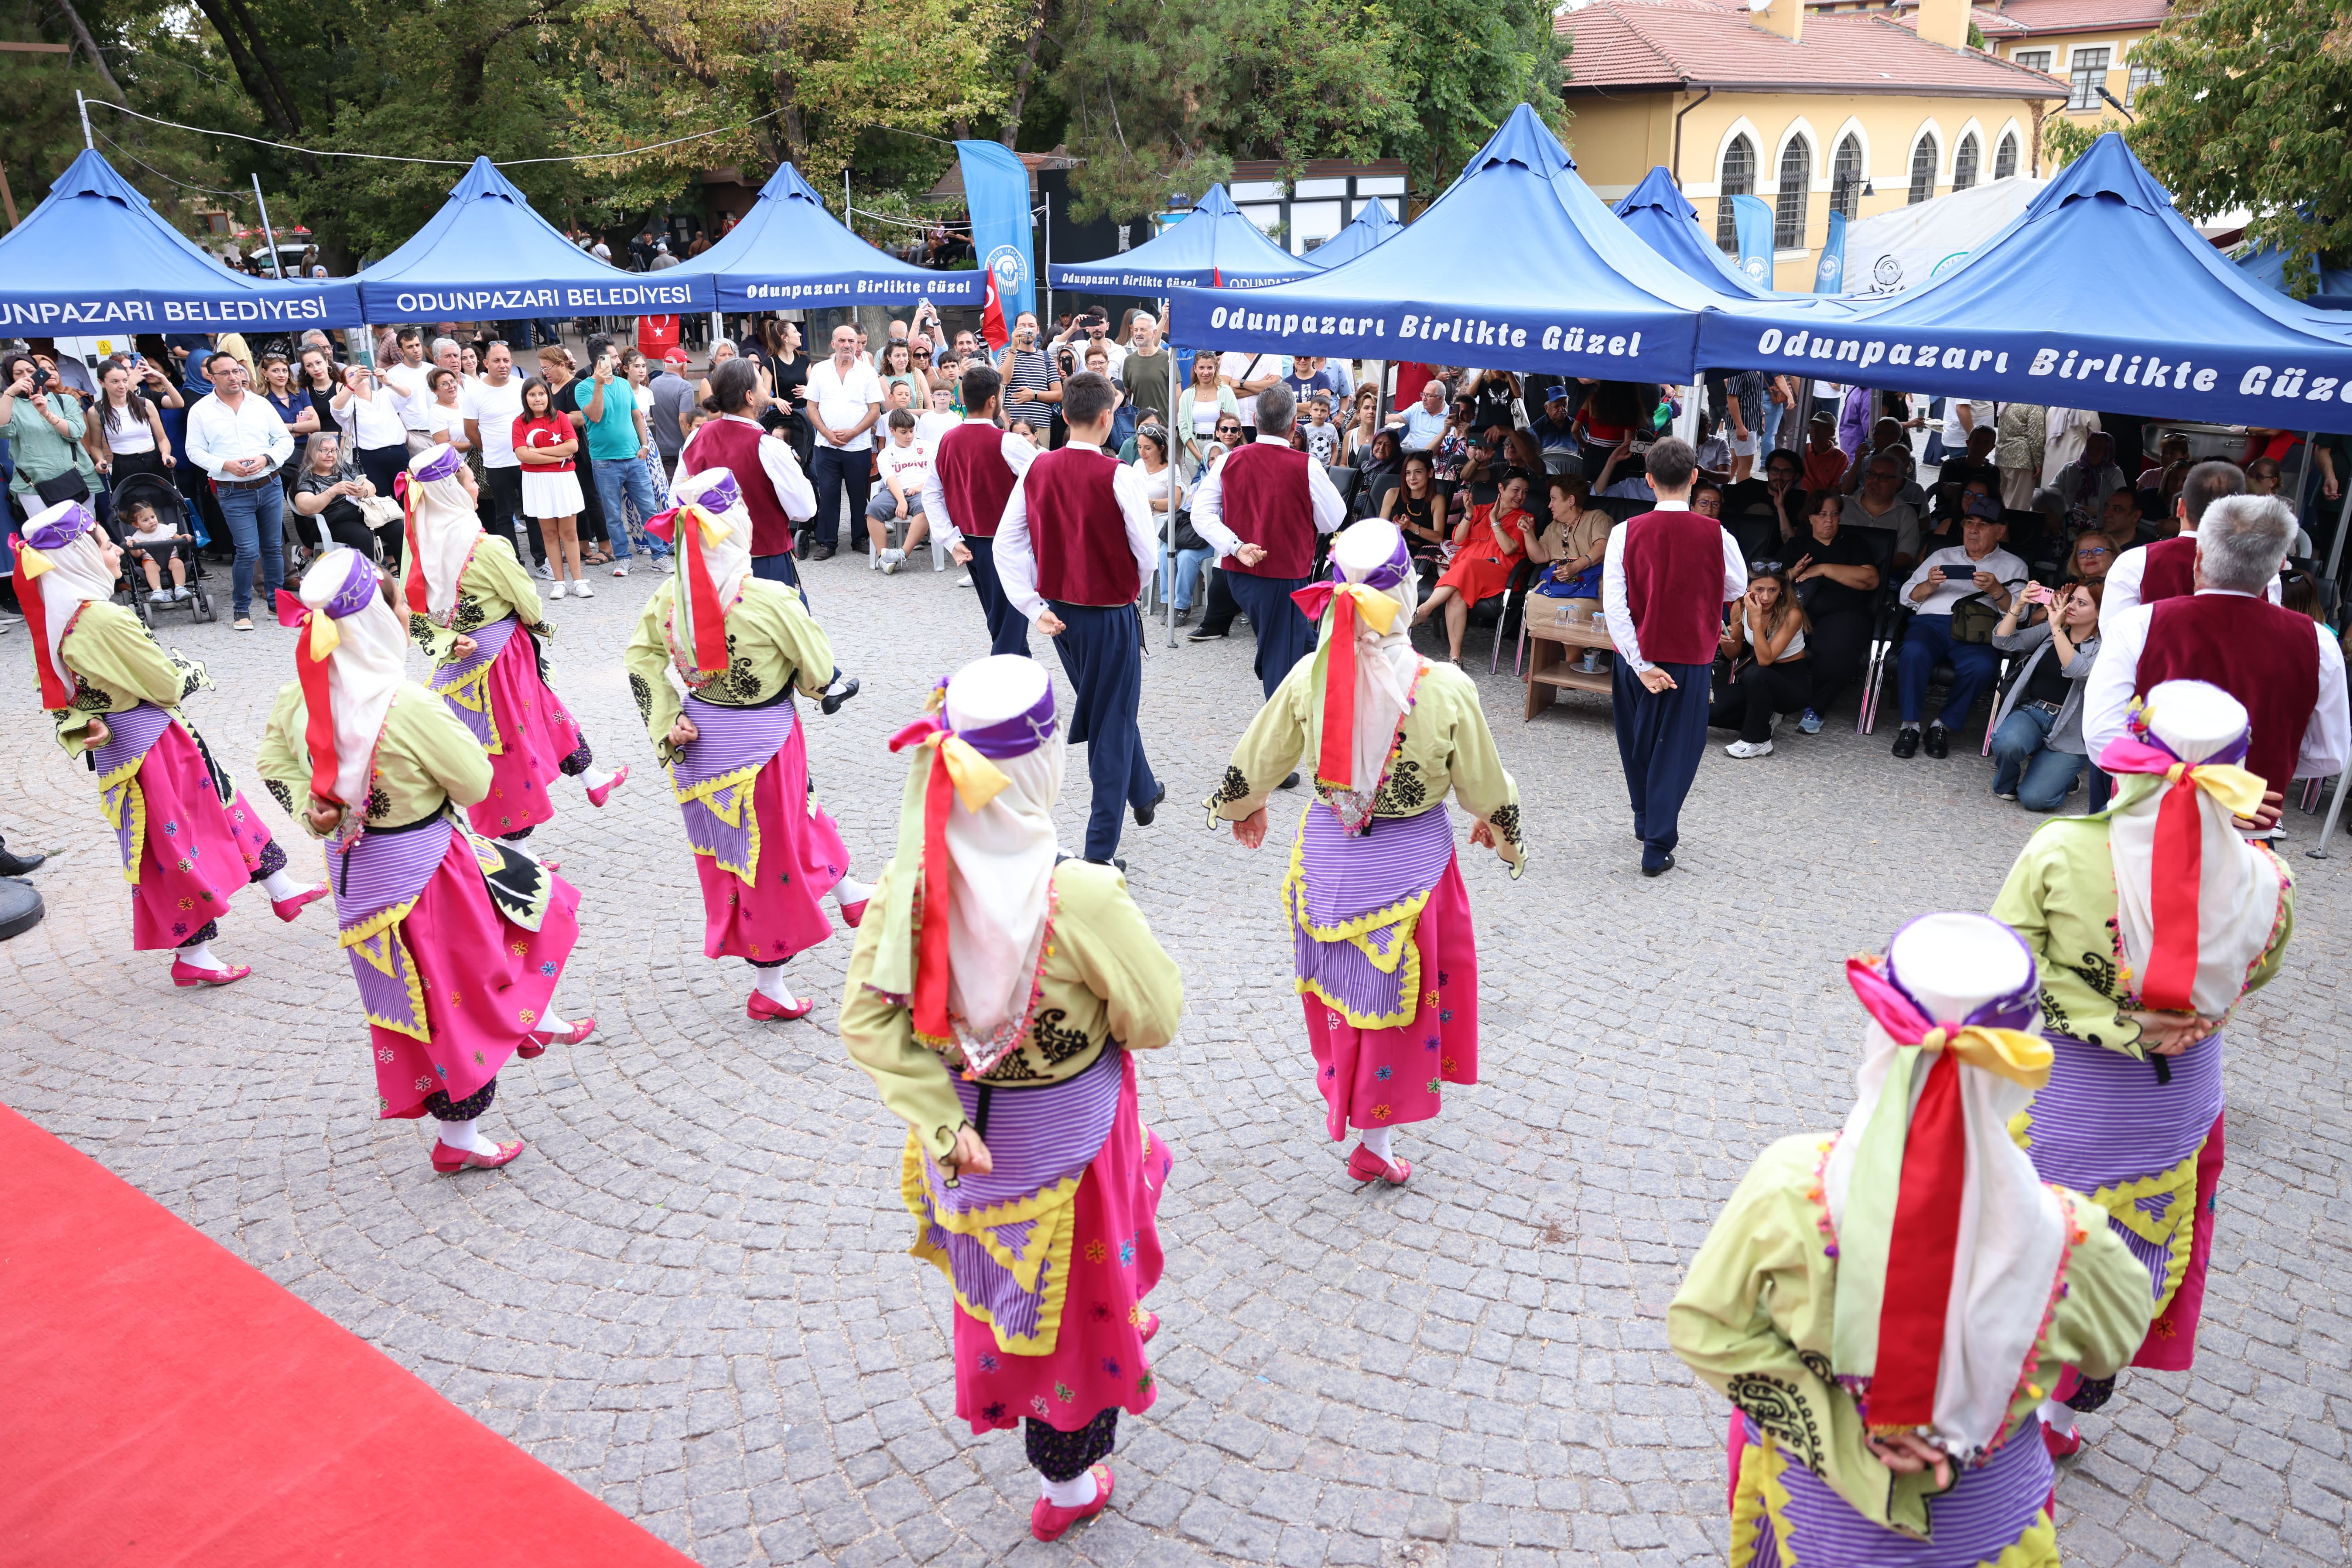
{"points": [[1249, 374], [1976, 566], [2127, 578], [845, 399], [975, 468], [492, 407], [237, 438], [406, 381]]}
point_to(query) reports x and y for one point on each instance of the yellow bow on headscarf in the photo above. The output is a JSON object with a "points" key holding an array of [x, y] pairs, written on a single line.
{"points": [[977, 780], [1378, 610], [2231, 785], [325, 636], [2023, 1059], [33, 561]]}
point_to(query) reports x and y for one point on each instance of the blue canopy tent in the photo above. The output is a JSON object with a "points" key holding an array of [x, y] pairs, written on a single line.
{"points": [[1559, 283], [95, 258], [487, 256], [1372, 228], [2098, 295], [1659, 212], [1215, 247], [2267, 265], [789, 251]]}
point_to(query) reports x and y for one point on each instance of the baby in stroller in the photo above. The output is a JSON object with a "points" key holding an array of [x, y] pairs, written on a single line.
{"points": [[152, 538]]}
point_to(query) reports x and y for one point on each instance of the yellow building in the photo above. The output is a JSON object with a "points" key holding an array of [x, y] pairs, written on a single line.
{"points": [[1805, 108], [2086, 44]]}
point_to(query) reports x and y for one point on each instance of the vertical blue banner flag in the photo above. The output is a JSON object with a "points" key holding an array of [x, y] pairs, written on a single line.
{"points": [[1829, 275], [1752, 217], [996, 192]]}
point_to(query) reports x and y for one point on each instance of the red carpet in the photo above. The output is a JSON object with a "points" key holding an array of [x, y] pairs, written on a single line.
{"points": [[168, 1406]]}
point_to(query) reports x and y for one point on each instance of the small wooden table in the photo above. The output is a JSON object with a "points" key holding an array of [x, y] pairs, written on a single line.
{"points": [[1549, 667]]}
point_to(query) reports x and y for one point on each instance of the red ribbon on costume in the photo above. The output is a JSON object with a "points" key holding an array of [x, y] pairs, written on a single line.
{"points": [[930, 998], [55, 690], [2177, 868], [1921, 1254], [311, 669], [417, 599], [1335, 763], [682, 526]]}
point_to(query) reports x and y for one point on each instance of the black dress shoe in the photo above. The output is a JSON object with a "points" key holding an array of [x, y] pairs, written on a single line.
{"points": [[1907, 741], [1939, 740], [1290, 783], [1203, 633], [822, 552], [1144, 814], [1114, 862], [19, 865], [1659, 869], [843, 689]]}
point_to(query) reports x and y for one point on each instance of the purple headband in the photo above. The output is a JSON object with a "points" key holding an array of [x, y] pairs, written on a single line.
{"points": [[442, 462], [1385, 576], [721, 497], [2013, 1011], [359, 587], [71, 521], [1016, 736], [2235, 752]]}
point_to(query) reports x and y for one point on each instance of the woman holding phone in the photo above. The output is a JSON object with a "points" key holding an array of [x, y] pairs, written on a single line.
{"points": [[2038, 748]]}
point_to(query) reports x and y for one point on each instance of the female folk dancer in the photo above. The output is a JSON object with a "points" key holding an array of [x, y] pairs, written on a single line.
{"points": [[457, 942], [476, 612], [188, 839], [1386, 961], [765, 851], [996, 1000], [2150, 919], [1886, 1307]]}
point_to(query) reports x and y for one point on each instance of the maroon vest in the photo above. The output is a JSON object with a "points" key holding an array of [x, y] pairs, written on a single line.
{"points": [[2267, 658], [2167, 569], [1077, 531], [724, 444], [975, 477], [1263, 493], [1674, 586]]}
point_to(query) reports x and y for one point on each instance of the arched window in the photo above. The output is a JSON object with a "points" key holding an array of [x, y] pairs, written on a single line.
{"points": [[1738, 180], [1846, 179], [2004, 157], [1923, 170], [1795, 195], [1964, 162]]}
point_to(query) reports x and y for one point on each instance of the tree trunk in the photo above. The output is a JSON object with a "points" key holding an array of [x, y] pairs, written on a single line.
{"points": [[1025, 71], [89, 47]]}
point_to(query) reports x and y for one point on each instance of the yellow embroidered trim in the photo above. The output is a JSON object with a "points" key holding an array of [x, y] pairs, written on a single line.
{"points": [[1400, 922], [2174, 1231], [2037, 1548], [391, 914], [379, 957], [118, 796], [1761, 1496], [733, 813], [1052, 1241], [472, 694], [2021, 1128]]}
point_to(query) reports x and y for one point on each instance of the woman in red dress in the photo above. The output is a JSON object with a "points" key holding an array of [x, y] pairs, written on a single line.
{"points": [[1488, 544]]}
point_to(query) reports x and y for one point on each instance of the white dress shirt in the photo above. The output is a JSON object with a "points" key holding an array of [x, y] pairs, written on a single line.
{"points": [[2006, 569], [1016, 558], [793, 491], [377, 421], [1209, 502], [218, 434], [1018, 455], [840, 400], [1619, 614], [417, 402], [2114, 681], [2123, 581]]}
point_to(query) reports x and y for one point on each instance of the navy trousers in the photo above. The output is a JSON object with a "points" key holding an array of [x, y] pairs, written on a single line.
{"points": [[1102, 649], [779, 568], [1659, 738], [1283, 634], [1008, 629]]}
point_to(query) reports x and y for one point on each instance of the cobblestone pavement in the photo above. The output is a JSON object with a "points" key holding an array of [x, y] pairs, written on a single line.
{"points": [[692, 1296]]}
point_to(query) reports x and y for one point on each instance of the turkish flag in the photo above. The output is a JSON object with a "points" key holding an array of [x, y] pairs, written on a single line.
{"points": [[992, 316]]}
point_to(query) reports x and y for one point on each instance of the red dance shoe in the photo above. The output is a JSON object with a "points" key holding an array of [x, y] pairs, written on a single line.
{"points": [[853, 914], [1050, 1522], [537, 1044], [2060, 1444], [760, 1010], [189, 975], [1150, 1326], [287, 909], [449, 1162], [597, 797], [1366, 1166]]}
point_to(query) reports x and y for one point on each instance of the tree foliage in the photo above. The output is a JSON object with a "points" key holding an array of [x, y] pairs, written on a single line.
{"points": [[1465, 65], [2254, 110]]}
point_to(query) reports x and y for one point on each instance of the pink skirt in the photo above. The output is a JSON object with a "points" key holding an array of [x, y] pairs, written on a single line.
{"points": [[487, 984], [1381, 1078], [196, 853], [535, 733], [2171, 1342], [1098, 1360], [780, 911]]}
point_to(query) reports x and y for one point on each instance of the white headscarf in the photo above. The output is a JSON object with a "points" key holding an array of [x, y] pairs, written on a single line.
{"points": [[443, 524], [1002, 855], [2237, 890], [1386, 664], [2011, 1228], [729, 558], [78, 575], [364, 668]]}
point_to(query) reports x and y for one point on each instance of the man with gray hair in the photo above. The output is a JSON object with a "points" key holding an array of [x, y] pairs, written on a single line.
{"points": [[2166, 569], [1260, 512], [2285, 667]]}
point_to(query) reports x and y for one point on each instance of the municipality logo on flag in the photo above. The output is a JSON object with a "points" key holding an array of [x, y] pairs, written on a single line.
{"points": [[1010, 272], [1831, 267], [1753, 268]]}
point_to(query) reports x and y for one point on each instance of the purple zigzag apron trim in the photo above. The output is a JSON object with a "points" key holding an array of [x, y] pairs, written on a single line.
{"points": [[1348, 876], [729, 740], [382, 871], [489, 643], [129, 735]]}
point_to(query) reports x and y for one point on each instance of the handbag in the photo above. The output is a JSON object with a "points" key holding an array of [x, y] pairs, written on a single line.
{"points": [[381, 511], [1973, 619], [67, 486], [1187, 537]]}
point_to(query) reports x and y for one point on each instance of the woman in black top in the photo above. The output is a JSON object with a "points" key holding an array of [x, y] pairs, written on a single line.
{"points": [[1836, 581], [777, 350], [1491, 396], [1418, 508]]}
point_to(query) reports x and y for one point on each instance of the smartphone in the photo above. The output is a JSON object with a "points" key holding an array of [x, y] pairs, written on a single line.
{"points": [[1959, 574]]}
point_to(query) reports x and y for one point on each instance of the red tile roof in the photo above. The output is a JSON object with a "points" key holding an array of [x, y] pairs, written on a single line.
{"points": [[1622, 44], [2014, 18]]}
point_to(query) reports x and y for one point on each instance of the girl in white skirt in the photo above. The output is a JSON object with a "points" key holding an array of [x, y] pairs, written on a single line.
{"points": [[546, 442]]}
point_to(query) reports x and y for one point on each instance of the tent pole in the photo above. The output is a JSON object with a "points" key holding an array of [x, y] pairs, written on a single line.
{"points": [[2342, 523], [1175, 449], [268, 234], [1049, 266], [82, 104]]}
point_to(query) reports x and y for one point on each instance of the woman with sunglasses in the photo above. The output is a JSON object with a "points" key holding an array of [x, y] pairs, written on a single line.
{"points": [[1203, 412]]}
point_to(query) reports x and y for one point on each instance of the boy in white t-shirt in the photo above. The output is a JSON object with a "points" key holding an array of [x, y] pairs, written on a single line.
{"points": [[901, 465], [932, 425], [1322, 436]]}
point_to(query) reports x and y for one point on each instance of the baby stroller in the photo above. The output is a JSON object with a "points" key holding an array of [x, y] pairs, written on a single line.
{"points": [[155, 490]]}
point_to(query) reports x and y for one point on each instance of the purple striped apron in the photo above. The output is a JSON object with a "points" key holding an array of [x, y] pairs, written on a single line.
{"points": [[459, 684], [713, 777], [129, 735], [376, 882], [2103, 1121], [1983, 1515], [1348, 877], [1036, 1138]]}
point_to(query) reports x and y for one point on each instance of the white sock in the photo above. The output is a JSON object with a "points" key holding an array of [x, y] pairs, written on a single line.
{"points": [[850, 890], [1076, 1492], [2059, 1419], [280, 886], [770, 982], [1376, 1138], [462, 1135], [200, 956], [596, 778], [549, 1024]]}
